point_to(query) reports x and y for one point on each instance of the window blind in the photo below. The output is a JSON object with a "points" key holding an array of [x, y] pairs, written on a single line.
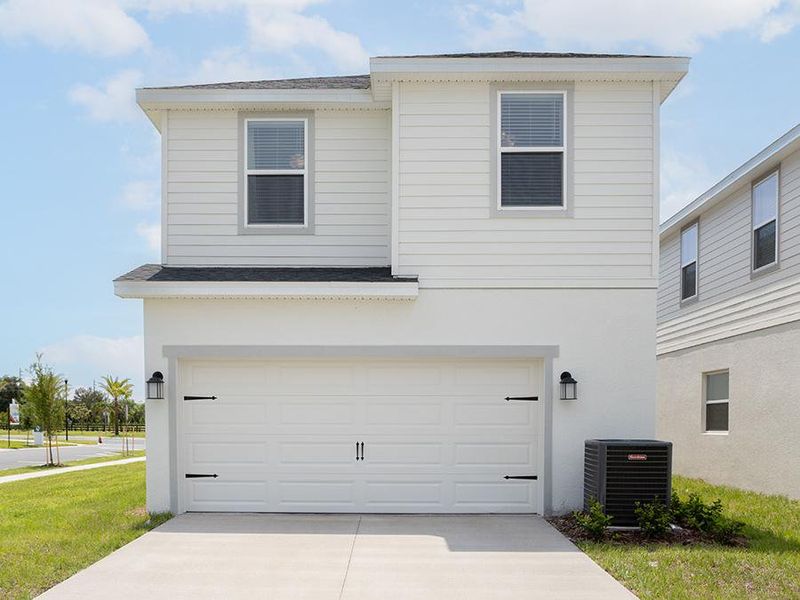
{"points": [[275, 145], [532, 179], [532, 120]]}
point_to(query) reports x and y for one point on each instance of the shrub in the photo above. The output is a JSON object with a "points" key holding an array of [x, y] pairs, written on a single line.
{"points": [[693, 513], [594, 521], [654, 518]]}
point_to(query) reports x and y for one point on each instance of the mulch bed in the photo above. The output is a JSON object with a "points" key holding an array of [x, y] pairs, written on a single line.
{"points": [[677, 537]]}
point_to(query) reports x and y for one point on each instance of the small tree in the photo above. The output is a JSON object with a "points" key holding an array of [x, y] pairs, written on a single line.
{"points": [[44, 402], [118, 389]]}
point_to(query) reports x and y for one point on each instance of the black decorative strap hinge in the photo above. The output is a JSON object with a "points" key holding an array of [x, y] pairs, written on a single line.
{"points": [[199, 475], [522, 398], [531, 477], [361, 455], [199, 397]]}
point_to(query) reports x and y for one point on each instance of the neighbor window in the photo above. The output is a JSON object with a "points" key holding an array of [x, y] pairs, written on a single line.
{"points": [[689, 242], [765, 222], [532, 150], [716, 401], [275, 172]]}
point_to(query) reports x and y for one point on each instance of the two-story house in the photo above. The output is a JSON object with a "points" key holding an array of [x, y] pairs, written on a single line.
{"points": [[375, 290], [729, 326]]}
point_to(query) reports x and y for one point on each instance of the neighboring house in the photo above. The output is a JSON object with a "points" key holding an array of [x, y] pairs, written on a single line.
{"points": [[370, 285], [729, 326]]}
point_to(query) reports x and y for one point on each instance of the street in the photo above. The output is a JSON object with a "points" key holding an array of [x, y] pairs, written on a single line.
{"points": [[29, 457]]}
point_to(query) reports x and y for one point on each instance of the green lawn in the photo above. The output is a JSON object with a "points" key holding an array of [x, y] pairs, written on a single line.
{"points": [[768, 568], [72, 463], [52, 527]]}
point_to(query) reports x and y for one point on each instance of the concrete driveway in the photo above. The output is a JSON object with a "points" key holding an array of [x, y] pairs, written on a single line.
{"points": [[275, 557]]}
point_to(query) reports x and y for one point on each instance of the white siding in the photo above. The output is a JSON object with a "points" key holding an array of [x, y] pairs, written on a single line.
{"points": [[351, 170], [730, 301], [446, 232]]}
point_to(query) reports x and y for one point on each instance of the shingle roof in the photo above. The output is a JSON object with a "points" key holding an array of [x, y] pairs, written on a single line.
{"points": [[152, 272], [516, 54], [340, 82], [362, 82]]}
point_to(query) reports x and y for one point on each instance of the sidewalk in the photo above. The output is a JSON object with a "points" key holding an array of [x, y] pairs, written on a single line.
{"points": [[110, 463]]}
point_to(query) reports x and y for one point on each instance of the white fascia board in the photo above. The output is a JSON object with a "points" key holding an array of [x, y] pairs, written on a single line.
{"points": [[407, 290], [666, 64], [761, 162], [156, 98], [668, 70]]}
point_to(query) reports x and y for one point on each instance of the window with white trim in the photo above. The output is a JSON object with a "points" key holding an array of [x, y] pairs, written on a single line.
{"points": [[717, 401], [276, 188], [532, 149], [765, 222], [689, 245]]}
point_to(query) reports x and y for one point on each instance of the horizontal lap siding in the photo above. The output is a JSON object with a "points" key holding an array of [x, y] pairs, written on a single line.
{"points": [[447, 234], [724, 269], [351, 203]]}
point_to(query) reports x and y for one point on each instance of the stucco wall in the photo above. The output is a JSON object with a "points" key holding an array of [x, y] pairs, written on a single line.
{"points": [[606, 338], [761, 451]]}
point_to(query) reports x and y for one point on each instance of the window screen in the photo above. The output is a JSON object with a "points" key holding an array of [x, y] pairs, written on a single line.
{"points": [[276, 171], [531, 149], [717, 401], [689, 241], [765, 222]]}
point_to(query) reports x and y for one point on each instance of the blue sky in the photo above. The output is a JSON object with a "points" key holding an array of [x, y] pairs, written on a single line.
{"points": [[80, 163]]}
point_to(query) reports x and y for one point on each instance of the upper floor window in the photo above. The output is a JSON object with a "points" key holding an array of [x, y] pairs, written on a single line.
{"points": [[276, 186], [716, 389], [532, 149], [689, 242], [765, 222]]}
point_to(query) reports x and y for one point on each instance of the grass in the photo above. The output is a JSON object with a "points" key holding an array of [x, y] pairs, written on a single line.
{"points": [[73, 463], [52, 527], [17, 444], [767, 569]]}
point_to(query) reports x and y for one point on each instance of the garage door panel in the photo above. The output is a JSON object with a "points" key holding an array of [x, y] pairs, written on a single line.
{"points": [[228, 453], [390, 495], [492, 495], [215, 495], [221, 414], [316, 413], [403, 454], [310, 454], [402, 412], [495, 377], [495, 454], [317, 493], [517, 414]]}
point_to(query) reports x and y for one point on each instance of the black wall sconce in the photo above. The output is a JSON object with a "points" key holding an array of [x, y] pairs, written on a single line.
{"points": [[155, 386], [569, 387]]}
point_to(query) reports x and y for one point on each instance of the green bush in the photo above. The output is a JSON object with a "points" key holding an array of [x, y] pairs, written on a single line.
{"points": [[594, 521], [654, 518], [693, 513]]}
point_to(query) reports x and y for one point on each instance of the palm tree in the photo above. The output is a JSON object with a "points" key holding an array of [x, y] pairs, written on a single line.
{"points": [[118, 389]]}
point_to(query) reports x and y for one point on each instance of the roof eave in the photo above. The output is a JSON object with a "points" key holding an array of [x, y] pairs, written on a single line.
{"points": [[762, 162]]}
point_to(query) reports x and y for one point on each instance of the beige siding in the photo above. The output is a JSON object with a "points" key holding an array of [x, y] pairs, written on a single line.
{"points": [[730, 300], [351, 171], [447, 233]]}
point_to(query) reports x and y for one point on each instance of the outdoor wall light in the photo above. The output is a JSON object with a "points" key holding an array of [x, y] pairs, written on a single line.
{"points": [[569, 387], [155, 386]]}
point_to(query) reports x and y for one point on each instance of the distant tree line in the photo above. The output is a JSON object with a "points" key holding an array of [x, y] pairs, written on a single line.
{"points": [[103, 408]]}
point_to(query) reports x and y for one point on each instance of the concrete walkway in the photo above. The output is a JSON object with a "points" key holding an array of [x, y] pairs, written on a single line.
{"points": [[346, 557], [62, 470]]}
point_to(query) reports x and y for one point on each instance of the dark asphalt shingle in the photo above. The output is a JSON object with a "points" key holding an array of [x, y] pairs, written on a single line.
{"points": [[152, 272], [341, 82]]}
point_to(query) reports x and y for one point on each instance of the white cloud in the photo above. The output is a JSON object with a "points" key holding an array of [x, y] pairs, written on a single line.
{"points": [[683, 178], [282, 30], [141, 195], [114, 100], [666, 25], [94, 26], [151, 233], [228, 64], [82, 358]]}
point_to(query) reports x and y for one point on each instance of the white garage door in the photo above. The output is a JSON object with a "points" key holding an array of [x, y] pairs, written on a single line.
{"points": [[359, 436]]}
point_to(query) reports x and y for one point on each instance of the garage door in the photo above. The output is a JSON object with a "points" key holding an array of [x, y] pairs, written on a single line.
{"points": [[359, 436]]}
